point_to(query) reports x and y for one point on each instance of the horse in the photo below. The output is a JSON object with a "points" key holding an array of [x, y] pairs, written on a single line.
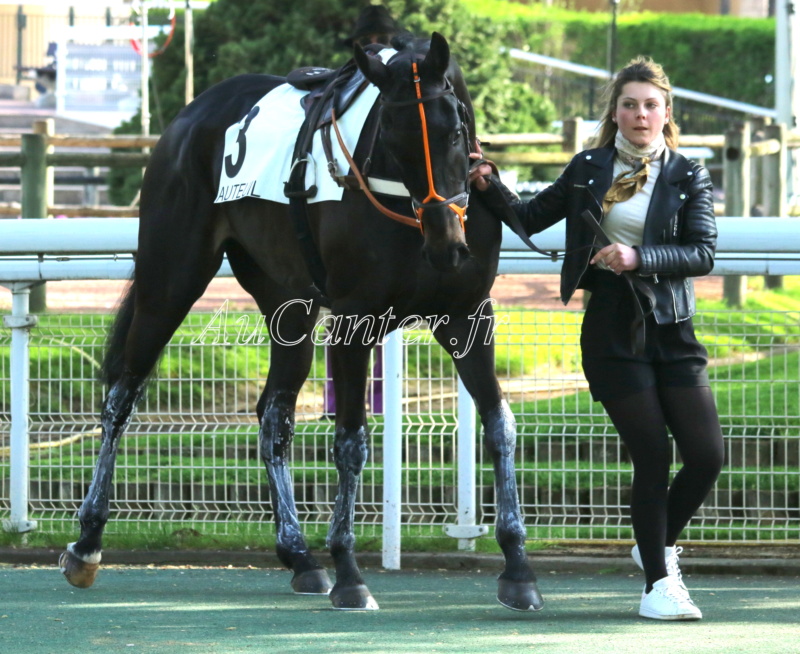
{"points": [[442, 267]]}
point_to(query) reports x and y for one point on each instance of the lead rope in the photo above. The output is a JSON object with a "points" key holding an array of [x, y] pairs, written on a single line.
{"points": [[406, 220]]}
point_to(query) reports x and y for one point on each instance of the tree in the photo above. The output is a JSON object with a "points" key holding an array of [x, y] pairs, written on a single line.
{"points": [[272, 36]]}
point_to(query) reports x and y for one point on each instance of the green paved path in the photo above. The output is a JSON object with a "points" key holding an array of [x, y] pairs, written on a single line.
{"points": [[136, 609]]}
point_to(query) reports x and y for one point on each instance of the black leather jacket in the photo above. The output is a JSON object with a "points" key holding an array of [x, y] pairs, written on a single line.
{"points": [[680, 232]]}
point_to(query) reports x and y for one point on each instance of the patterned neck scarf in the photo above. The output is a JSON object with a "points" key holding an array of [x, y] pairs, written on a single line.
{"points": [[630, 182]]}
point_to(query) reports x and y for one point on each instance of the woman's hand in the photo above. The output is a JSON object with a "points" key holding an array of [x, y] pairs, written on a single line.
{"points": [[617, 257], [478, 175]]}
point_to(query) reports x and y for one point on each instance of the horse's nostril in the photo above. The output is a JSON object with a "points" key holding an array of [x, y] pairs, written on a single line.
{"points": [[460, 255]]}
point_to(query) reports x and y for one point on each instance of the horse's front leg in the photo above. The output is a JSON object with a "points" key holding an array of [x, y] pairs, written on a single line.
{"points": [[289, 367], [276, 435], [471, 343], [351, 447], [81, 560]]}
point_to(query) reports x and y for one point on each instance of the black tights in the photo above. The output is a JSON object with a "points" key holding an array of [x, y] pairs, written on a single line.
{"points": [[659, 512]]}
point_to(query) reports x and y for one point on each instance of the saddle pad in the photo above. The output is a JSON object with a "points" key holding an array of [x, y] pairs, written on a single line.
{"points": [[258, 149]]}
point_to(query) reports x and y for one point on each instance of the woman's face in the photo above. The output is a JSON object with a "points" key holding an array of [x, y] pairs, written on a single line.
{"points": [[641, 112]]}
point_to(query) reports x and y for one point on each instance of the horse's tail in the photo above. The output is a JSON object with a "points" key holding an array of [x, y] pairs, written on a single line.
{"points": [[114, 358]]}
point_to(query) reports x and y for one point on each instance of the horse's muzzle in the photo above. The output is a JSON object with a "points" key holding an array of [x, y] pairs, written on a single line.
{"points": [[448, 258]]}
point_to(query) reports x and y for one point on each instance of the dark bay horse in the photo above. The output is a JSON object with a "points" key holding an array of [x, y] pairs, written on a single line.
{"points": [[376, 267]]}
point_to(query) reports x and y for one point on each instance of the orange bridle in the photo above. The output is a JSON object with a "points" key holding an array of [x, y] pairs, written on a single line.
{"points": [[419, 207], [433, 199]]}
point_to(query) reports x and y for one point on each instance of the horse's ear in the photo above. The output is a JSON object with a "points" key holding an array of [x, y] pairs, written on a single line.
{"points": [[438, 58], [372, 67]]}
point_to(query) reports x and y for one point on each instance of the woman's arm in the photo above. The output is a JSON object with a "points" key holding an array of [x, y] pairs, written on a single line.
{"points": [[693, 254], [537, 214]]}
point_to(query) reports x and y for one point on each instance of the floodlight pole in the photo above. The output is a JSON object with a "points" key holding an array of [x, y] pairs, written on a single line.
{"points": [[612, 39], [787, 94], [188, 51], [145, 72]]}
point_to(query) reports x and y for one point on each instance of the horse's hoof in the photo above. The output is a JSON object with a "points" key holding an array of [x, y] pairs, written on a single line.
{"points": [[519, 595], [312, 582], [353, 598], [79, 573]]}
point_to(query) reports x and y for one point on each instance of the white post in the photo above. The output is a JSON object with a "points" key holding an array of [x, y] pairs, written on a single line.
{"points": [[466, 464], [465, 528], [145, 72], [392, 447], [20, 323], [188, 52]]}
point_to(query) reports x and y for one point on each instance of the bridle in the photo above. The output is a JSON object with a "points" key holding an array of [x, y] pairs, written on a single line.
{"points": [[433, 199]]}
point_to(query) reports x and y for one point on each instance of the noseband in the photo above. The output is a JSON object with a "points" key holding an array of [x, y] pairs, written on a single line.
{"points": [[433, 199]]}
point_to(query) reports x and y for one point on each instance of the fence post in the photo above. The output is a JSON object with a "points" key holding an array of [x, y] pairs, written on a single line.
{"points": [[757, 133], [22, 23], [465, 528], [467, 511], [392, 448], [572, 130], [36, 183], [20, 323], [773, 190], [736, 184]]}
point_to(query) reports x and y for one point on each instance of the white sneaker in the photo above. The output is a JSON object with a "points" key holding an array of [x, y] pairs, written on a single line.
{"points": [[669, 600], [671, 555]]}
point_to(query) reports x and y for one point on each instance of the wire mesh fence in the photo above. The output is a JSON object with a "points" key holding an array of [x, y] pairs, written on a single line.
{"points": [[190, 455]]}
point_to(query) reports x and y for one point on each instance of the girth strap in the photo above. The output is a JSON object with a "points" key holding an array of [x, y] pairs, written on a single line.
{"points": [[298, 211]]}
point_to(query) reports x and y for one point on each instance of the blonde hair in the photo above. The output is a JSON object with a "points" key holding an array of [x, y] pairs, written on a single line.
{"points": [[640, 69]]}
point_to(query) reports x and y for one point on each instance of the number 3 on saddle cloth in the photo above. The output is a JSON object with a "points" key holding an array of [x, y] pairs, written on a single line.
{"points": [[278, 164]]}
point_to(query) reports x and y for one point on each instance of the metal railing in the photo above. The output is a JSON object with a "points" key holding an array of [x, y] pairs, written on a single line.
{"points": [[190, 455]]}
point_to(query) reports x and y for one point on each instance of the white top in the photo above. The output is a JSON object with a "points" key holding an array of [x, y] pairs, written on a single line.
{"points": [[625, 221]]}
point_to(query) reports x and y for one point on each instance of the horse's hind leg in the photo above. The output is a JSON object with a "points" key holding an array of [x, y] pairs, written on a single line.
{"points": [[81, 560], [292, 351], [165, 288], [470, 342]]}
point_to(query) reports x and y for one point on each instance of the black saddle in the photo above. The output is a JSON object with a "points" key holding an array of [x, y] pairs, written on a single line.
{"points": [[327, 90], [309, 78]]}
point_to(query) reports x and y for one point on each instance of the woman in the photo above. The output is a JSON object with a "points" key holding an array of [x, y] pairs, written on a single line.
{"points": [[656, 208]]}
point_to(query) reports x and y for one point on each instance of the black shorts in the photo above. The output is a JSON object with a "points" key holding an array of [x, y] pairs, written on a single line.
{"points": [[672, 355]]}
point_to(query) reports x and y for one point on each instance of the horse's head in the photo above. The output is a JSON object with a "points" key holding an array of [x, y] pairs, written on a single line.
{"points": [[423, 128]]}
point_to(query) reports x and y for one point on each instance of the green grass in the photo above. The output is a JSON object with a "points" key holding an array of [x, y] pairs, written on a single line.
{"points": [[527, 342], [555, 475], [757, 398], [260, 537], [249, 537], [754, 398]]}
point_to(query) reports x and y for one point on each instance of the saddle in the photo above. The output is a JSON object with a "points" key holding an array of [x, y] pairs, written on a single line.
{"points": [[328, 90]]}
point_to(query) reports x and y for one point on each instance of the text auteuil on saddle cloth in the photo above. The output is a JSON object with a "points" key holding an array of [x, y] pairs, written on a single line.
{"points": [[258, 149]]}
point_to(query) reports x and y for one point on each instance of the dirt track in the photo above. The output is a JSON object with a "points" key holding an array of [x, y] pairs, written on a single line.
{"points": [[530, 291]]}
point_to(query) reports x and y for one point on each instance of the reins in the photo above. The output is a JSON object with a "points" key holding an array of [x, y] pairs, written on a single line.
{"points": [[433, 198], [406, 220]]}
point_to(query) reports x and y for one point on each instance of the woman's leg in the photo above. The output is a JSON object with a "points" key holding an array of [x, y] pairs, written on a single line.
{"points": [[691, 415], [641, 424]]}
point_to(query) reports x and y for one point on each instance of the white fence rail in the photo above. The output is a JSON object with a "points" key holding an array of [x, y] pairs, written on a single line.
{"points": [[34, 250]]}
